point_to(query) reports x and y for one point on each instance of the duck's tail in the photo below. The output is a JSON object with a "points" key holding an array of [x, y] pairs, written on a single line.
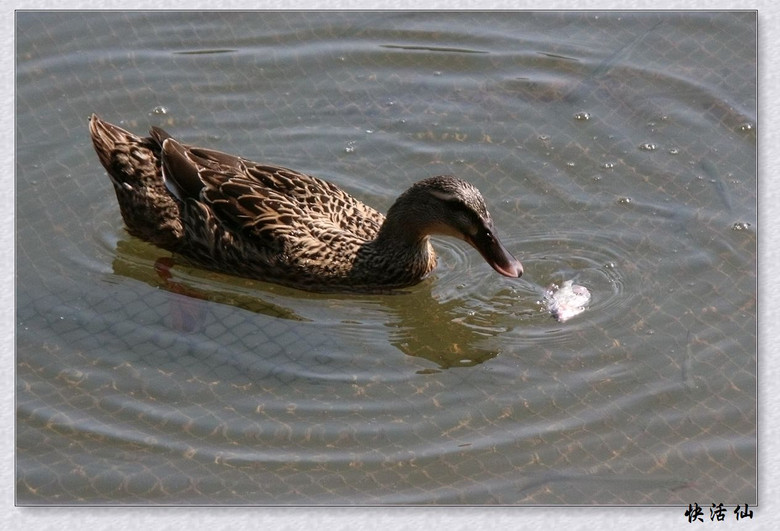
{"points": [[133, 165]]}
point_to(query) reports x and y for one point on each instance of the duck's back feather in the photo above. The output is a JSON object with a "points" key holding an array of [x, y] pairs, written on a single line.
{"points": [[263, 197]]}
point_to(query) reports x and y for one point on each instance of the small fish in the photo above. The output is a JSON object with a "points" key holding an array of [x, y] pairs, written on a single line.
{"points": [[567, 301]]}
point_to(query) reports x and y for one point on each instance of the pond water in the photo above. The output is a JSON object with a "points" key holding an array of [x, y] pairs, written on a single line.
{"points": [[617, 150]]}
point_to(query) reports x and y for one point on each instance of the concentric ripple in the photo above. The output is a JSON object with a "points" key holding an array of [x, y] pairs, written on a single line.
{"points": [[589, 259]]}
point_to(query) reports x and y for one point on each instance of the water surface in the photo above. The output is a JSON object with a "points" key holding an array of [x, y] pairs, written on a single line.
{"points": [[615, 149]]}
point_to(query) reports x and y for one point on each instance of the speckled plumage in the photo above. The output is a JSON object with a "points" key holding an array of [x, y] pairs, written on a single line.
{"points": [[271, 223]]}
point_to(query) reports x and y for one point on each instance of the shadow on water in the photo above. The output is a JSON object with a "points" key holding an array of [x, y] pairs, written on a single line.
{"points": [[143, 262], [440, 337]]}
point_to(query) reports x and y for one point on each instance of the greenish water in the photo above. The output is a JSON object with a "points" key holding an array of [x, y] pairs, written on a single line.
{"points": [[617, 149]]}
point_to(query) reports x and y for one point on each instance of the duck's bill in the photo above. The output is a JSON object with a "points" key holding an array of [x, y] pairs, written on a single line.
{"points": [[497, 256]]}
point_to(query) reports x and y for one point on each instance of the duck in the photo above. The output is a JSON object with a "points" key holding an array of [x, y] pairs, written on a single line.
{"points": [[265, 222]]}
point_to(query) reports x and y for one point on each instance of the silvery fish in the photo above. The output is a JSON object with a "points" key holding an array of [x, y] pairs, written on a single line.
{"points": [[567, 301]]}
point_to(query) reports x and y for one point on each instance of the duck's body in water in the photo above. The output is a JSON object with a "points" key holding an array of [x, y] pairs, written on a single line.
{"points": [[270, 223]]}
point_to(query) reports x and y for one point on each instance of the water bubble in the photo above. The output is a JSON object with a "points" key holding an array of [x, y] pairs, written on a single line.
{"points": [[159, 110], [571, 164], [624, 201], [674, 151], [740, 225], [648, 146], [745, 127], [369, 131], [608, 165], [582, 116], [437, 73], [350, 147]]}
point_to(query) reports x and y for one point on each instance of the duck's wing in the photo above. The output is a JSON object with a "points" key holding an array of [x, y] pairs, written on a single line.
{"points": [[318, 200], [262, 197]]}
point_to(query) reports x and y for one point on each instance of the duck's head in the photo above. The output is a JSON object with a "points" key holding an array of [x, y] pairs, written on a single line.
{"points": [[453, 207]]}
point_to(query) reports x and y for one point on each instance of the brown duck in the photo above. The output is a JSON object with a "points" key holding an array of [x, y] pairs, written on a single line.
{"points": [[270, 223]]}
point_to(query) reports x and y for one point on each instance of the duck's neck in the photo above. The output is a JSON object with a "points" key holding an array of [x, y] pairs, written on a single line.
{"points": [[402, 229], [403, 244]]}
